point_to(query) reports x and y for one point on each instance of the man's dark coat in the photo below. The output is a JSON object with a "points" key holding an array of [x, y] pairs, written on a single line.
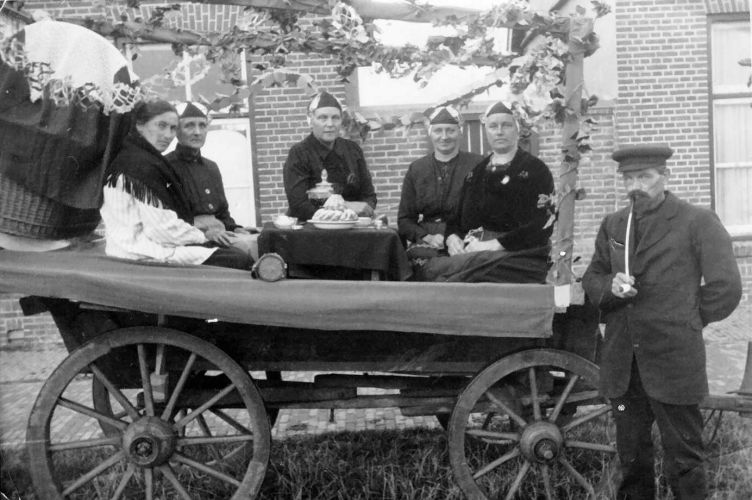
{"points": [[686, 277]]}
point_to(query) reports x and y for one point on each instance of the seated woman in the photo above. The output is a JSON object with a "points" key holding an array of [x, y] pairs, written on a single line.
{"points": [[432, 185], [505, 218], [145, 211]]}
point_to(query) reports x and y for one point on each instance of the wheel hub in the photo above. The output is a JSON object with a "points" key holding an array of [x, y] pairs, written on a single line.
{"points": [[149, 442], [541, 442]]}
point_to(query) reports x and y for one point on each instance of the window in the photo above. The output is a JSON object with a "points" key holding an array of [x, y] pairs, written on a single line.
{"points": [[228, 142], [732, 124]]}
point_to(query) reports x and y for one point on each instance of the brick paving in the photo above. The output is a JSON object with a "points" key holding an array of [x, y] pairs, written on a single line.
{"points": [[22, 374]]}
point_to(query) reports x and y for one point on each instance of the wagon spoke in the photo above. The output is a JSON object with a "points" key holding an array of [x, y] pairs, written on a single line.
{"points": [[90, 412], [534, 395], [498, 402], [94, 472], [145, 382], [563, 398], [518, 480], [487, 420], [195, 441], [116, 393], [124, 481], [207, 432], [88, 443], [169, 474], [231, 421], [499, 461], [590, 446], [149, 483], [205, 469], [512, 437], [586, 418], [201, 409], [546, 475], [167, 413], [580, 479]]}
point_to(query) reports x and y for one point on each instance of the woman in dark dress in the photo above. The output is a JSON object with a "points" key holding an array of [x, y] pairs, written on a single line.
{"points": [[432, 186]]}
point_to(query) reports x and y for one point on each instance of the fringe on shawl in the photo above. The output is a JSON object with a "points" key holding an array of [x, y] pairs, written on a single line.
{"points": [[135, 188]]}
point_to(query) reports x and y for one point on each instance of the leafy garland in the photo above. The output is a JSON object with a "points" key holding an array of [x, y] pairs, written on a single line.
{"points": [[534, 81]]}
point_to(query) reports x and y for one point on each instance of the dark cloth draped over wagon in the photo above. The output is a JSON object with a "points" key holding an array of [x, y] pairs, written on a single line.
{"points": [[482, 309]]}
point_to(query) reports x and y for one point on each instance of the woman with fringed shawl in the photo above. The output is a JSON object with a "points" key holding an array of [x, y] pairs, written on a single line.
{"points": [[145, 211]]}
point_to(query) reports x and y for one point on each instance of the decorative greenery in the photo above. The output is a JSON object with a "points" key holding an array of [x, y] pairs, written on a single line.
{"points": [[534, 80]]}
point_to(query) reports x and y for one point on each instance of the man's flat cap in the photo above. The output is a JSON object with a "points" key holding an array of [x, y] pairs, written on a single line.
{"points": [[639, 157]]}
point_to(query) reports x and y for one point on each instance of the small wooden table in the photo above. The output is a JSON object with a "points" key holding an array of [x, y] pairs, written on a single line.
{"points": [[338, 254]]}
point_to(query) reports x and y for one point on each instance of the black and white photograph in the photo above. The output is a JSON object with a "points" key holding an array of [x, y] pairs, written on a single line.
{"points": [[376, 249]]}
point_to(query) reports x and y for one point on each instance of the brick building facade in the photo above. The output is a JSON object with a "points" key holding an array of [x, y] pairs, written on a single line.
{"points": [[663, 88]]}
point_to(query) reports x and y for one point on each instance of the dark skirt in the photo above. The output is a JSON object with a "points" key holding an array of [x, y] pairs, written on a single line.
{"points": [[498, 266]]}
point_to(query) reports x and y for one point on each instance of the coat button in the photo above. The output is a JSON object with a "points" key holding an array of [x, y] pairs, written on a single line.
{"points": [[211, 206], [207, 191]]}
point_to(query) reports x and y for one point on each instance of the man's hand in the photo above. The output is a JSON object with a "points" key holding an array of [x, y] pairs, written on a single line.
{"points": [[622, 286], [455, 245], [476, 245], [221, 237], [240, 230], [434, 240]]}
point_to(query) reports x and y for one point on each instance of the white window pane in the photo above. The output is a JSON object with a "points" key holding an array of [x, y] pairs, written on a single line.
{"points": [[730, 43], [228, 144], [732, 131], [733, 201]]}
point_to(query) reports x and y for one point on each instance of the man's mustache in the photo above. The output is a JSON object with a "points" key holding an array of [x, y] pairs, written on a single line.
{"points": [[636, 194]]}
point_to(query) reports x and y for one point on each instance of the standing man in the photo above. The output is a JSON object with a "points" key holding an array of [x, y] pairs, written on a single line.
{"points": [[202, 182], [324, 149], [681, 275], [432, 185]]}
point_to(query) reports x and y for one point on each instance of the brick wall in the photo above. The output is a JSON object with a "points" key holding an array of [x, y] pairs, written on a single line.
{"points": [[662, 61], [18, 330]]}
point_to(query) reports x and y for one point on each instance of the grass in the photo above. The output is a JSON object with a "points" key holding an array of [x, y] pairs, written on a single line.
{"points": [[409, 464]]}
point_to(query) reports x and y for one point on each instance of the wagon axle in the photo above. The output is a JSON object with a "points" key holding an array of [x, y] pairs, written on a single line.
{"points": [[149, 442], [541, 442]]}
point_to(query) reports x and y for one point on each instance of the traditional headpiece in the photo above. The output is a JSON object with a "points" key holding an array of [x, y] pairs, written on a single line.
{"points": [[639, 157], [445, 115], [498, 107], [324, 100], [192, 110]]}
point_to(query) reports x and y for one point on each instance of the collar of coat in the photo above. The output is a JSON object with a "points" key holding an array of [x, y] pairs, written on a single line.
{"points": [[321, 149], [657, 226], [188, 154]]}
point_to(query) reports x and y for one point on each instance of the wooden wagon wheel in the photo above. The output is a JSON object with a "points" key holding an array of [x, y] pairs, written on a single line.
{"points": [[102, 403], [160, 449], [513, 432]]}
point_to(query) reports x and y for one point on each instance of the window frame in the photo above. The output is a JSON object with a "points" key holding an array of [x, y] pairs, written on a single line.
{"points": [[738, 232]]}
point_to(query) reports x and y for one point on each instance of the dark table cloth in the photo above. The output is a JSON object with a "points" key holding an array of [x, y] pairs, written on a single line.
{"points": [[356, 248]]}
